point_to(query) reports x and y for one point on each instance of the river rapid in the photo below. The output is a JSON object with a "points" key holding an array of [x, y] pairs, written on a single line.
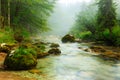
{"points": [[74, 64]]}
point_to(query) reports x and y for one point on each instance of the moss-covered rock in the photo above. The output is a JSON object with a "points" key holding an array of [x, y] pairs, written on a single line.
{"points": [[68, 38], [54, 51], [54, 45], [21, 59]]}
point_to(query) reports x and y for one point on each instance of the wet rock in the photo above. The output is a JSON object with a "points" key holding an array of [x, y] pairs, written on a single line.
{"points": [[87, 50], [68, 38], [80, 47], [97, 49], [20, 59], [109, 55], [54, 51], [42, 54], [54, 45]]}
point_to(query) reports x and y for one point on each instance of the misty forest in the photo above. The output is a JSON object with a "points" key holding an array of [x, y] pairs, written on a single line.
{"points": [[59, 39]]}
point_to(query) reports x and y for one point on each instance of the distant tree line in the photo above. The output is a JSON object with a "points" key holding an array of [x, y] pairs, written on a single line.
{"points": [[100, 23]]}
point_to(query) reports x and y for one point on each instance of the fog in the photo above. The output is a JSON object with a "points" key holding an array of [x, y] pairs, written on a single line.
{"points": [[65, 12], [64, 15]]}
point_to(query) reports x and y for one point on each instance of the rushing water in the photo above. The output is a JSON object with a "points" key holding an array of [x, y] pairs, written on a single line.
{"points": [[75, 64]]}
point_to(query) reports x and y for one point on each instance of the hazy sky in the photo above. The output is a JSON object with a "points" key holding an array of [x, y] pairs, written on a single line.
{"points": [[63, 17], [72, 1]]}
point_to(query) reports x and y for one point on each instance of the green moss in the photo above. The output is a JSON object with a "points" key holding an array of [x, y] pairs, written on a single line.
{"points": [[21, 59], [68, 38]]}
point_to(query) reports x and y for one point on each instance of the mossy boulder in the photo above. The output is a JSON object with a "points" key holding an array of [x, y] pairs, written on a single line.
{"points": [[68, 38], [39, 48], [54, 45], [54, 51], [21, 59]]}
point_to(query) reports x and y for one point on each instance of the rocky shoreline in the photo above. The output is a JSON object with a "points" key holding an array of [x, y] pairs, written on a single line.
{"points": [[105, 52]]}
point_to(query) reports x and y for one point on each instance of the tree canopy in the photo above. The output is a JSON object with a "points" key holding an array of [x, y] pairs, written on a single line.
{"points": [[31, 15]]}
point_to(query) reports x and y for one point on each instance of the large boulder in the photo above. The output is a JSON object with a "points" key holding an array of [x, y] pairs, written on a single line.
{"points": [[54, 51], [21, 59], [68, 38]]}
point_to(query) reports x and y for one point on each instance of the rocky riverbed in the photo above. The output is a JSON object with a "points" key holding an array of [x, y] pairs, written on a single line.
{"points": [[74, 63]]}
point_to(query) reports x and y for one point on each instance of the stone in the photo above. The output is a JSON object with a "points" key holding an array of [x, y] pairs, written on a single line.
{"points": [[87, 50], [42, 54], [35, 71], [68, 38], [97, 49], [54, 51], [21, 59], [54, 45]]}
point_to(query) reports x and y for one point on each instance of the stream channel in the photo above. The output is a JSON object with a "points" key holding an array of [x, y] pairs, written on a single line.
{"points": [[74, 64]]}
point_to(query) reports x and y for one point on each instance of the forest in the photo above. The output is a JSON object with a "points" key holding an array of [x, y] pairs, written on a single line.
{"points": [[59, 39]]}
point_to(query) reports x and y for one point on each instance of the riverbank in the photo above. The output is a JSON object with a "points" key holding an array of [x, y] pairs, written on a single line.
{"points": [[106, 52]]}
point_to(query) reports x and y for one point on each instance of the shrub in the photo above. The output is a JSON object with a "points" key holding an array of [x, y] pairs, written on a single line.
{"points": [[111, 39], [87, 35]]}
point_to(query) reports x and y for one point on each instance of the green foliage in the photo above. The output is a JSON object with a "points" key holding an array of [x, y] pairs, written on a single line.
{"points": [[106, 15], [105, 27], [6, 36], [109, 39], [25, 51], [31, 14], [87, 35], [86, 21]]}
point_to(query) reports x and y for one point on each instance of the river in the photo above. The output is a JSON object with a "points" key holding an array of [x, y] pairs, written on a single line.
{"points": [[74, 64]]}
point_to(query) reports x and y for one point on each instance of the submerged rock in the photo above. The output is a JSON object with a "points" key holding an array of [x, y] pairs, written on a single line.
{"points": [[55, 51], [68, 38]]}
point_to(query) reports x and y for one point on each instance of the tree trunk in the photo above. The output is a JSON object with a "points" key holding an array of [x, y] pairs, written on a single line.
{"points": [[9, 13], [0, 7]]}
